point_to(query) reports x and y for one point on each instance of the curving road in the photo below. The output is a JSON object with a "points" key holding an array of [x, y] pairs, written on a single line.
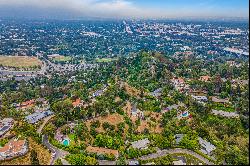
{"points": [[56, 153], [161, 153], [39, 130]]}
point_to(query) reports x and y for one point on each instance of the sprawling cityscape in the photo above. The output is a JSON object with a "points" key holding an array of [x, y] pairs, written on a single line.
{"points": [[124, 91]]}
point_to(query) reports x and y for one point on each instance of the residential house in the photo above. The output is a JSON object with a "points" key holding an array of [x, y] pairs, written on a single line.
{"points": [[156, 93], [133, 162], [59, 136], [226, 114], [100, 92], [206, 147], [218, 100], [42, 103], [141, 144], [27, 104], [13, 149], [178, 138], [41, 100], [231, 63], [102, 151], [106, 162], [236, 82], [205, 78], [136, 112], [5, 125], [35, 117], [97, 93], [200, 99], [179, 84], [77, 103], [174, 106], [152, 163], [180, 161]]}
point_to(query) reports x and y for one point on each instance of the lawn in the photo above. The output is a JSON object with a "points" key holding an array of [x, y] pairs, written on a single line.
{"points": [[61, 58], [105, 60], [223, 108], [71, 137], [20, 61]]}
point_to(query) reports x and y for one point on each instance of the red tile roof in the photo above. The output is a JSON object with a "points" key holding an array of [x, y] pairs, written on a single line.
{"points": [[13, 146], [77, 102], [205, 78], [28, 103]]}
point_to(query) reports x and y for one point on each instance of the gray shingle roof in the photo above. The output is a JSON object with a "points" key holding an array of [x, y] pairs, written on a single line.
{"points": [[140, 143]]}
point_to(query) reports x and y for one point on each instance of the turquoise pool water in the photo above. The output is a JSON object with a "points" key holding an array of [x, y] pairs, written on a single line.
{"points": [[66, 142], [185, 114]]}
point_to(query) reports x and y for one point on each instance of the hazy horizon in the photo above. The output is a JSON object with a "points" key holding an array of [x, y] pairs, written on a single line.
{"points": [[124, 9]]}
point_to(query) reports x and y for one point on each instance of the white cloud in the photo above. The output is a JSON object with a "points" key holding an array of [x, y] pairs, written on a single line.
{"points": [[99, 8], [111, 8]]}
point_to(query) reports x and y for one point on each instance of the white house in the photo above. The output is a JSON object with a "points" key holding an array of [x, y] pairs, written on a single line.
{"points": [[141, 144], [5, 125], [206, 147]]}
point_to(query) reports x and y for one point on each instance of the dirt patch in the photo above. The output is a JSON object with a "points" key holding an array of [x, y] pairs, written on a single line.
{"points": [[147, 123], [113, 119], [150, 125], [151, 122], [127, 108], [117, 99], [20, 61], [131, 90]]}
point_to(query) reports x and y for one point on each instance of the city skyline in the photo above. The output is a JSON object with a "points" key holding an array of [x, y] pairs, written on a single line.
{"points": [[157, 9]]}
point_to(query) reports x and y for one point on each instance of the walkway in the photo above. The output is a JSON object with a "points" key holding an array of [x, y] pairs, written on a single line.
{"points": [[161, 153]]}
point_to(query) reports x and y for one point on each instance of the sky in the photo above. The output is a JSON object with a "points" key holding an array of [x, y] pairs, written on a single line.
{"points": [[158, 9]]}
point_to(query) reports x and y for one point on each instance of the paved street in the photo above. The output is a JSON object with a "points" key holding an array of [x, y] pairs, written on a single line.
{"points": [[56, 153], [161, 153], [39, 130]]}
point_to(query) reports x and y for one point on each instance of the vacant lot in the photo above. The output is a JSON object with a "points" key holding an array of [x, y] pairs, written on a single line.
{"points": [[131, 90], [152, 122], [20, 61], [113, 119]]}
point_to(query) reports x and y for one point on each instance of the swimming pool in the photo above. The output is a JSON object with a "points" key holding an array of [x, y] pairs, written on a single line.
{"points": [[185, 114], [66, 142]]}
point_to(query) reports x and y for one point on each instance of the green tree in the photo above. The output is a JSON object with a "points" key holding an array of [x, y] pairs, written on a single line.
{"points": [[58, 162], [33, 157]]}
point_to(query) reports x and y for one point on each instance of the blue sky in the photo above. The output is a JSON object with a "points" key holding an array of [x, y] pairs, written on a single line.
{"points": [[125, 8], [178, 3]]}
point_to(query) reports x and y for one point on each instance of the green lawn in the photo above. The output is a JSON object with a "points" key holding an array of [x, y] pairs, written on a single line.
{"points": [[223, 108], [62, 58], [105, 60], [71, 137]]}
